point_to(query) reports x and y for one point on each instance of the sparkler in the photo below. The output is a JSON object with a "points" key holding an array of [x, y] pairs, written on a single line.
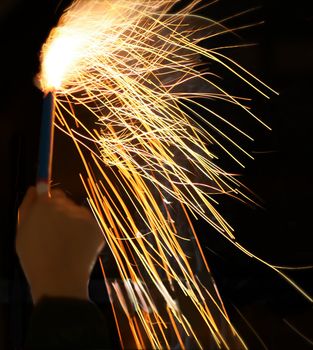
{"points": [[127, 83]]}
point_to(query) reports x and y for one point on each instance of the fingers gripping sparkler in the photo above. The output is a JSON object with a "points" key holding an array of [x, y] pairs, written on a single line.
{"points": [[130, 68]]}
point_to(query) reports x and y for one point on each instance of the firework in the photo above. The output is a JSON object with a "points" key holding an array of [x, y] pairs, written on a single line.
{"points": [[127, 79]]}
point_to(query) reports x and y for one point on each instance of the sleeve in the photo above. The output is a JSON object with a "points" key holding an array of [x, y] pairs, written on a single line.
{"points": [[60, 323]]}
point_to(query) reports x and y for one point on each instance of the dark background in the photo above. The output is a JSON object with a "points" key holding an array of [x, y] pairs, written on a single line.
{"points": [[280, 175]]}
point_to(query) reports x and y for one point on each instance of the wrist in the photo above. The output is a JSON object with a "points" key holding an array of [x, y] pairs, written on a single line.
{"points": [[68, 289]]}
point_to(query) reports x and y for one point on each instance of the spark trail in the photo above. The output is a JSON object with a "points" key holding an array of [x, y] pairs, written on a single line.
{"points": [[128, 82]]}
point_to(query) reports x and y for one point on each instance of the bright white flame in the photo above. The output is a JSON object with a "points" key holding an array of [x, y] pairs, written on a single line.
{"points": [[72, 45], [60, 59]]}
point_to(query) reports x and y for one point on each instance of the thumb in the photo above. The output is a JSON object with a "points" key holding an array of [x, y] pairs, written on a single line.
{"points": [[27, 203]]}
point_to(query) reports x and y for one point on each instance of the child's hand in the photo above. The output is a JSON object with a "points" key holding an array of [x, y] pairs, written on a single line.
{"points": [[57, 243]]}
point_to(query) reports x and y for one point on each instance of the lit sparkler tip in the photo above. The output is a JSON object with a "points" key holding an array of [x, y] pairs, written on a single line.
{"points": [[71, 44]]}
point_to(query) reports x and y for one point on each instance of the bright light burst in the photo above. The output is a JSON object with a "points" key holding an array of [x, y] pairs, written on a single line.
{"points": [[127, 79]]}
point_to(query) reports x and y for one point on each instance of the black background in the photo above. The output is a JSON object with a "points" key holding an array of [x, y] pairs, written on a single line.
{"points": [[280, 175]]}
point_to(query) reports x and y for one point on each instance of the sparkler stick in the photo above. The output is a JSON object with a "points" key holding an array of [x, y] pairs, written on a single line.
{"points": [[46, 144]]}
